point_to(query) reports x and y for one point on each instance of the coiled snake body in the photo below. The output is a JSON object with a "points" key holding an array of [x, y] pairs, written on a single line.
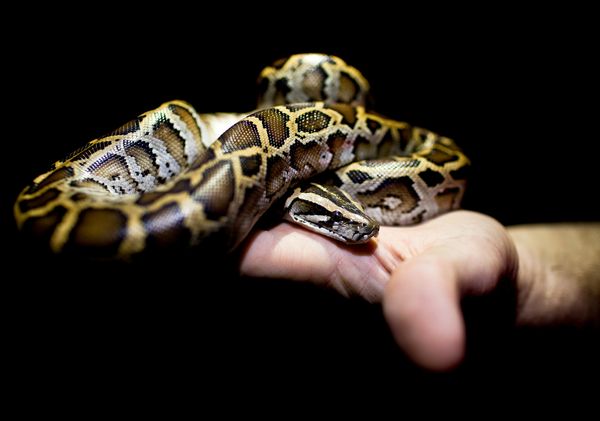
{"points": [[162, 180]]}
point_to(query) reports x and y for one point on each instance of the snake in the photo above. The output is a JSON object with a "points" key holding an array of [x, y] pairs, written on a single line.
{"points": [[174, 179]]}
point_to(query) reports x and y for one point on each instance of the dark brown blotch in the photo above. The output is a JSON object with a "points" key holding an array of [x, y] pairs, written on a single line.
{"points": [[151, 197], [39, 201], [275, 180], [216, 190], [241, 135], [313, 121], [205, 156], [336, 140], [373, 125], [460, 173], [275, 123], [364, 149], [42, 227], [349, 88], [348, 113], [248, 213], [398, 187], [79, 197], [336, 144], [99, 231], [393, 142], [306, 155], [110, 166], [166, 229], [282, 88], [431, 178], [174, 142], [143, 155], [448, 199], [250, 164], [439, 156]]}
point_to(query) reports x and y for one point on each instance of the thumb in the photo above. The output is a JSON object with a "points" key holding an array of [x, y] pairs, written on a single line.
{"points": [[422, 306]]}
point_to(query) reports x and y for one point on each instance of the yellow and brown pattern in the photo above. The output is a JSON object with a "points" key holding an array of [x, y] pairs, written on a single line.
{"points": [[161, 181]]}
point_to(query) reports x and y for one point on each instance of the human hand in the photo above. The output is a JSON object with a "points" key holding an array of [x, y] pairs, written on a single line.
{"points": [[420, 273]]}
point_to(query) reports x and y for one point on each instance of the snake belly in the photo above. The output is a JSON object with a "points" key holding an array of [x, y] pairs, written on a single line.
{"points": [[161, 182]]}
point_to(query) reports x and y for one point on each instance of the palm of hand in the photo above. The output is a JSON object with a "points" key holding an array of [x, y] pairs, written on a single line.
{"points": [[419, 272]]}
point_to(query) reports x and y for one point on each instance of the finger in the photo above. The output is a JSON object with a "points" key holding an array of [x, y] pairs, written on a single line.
{"points": [[287, 252], [422, 306]]}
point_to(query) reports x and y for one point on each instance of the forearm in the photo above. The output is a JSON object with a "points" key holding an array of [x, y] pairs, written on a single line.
{"points": [[559, 272]]}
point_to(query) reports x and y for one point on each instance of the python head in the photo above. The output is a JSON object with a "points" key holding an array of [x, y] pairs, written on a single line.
{"points": [[329, 211]]}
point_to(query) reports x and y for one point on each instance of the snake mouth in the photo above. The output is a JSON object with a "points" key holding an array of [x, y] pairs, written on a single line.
{"points": [[365, 235]]}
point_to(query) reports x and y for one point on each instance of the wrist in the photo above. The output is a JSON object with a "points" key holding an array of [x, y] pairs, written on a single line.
{"points": [[551, 289]]}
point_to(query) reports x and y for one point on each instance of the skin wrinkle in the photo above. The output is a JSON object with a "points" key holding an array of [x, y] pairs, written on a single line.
{"points": [[375, 278], [337, 280], [384, 275], [485, 278], [343, 273], [386, 259], [366, 282], [468, 284], [332, 280], [524, 296]]}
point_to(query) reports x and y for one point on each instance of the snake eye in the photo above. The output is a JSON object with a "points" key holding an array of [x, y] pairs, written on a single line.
{"points": [[336, 215]]}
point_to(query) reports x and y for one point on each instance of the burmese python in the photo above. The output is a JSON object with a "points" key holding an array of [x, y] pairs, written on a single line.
{"points": [[163, 181]]}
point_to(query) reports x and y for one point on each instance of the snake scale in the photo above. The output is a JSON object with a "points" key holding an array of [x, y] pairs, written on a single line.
{"points": [[173, 178]]}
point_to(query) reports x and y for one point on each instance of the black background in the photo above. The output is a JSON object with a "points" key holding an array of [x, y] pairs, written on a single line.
{"points": [[516, 90]]}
